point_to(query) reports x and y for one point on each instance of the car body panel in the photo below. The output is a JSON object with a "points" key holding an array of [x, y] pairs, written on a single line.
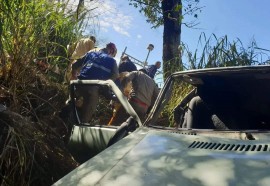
{"points": [[87, 141], [151, 157]]}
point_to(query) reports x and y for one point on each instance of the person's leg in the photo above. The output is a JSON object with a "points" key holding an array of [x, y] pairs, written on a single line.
{"points": [[90, 101], [119, 116], [198, 115], [192, 112]]}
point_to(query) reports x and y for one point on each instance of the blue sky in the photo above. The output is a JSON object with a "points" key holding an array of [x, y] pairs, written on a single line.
{"points": [[243, 19], [126, 27]]}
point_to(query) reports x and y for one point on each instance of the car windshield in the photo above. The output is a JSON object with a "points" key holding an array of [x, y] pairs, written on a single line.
{"points": [[222, 99]]}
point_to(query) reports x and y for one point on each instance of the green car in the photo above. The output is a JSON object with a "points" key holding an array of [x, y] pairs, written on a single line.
{"points": [[207, 127]]}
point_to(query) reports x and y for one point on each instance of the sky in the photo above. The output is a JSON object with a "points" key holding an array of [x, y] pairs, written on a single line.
{"points": [[123, 25]]}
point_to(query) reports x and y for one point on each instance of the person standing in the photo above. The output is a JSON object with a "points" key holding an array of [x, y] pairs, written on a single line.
{"points": [[99, 65], [78, 50], [152, 69], [141, 91], [126, 65], [82, 47]]}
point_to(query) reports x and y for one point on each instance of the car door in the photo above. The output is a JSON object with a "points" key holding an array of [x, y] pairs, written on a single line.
{"points": [[89, 138]]}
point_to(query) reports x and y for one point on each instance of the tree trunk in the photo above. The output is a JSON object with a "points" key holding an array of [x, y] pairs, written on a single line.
{"points": [[171, 36]]}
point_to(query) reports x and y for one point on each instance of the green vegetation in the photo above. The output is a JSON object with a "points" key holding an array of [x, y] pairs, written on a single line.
{"points": [[37, 30], [33, 35]]}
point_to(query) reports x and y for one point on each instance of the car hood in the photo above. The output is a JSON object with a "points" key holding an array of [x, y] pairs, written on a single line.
{"points": [[154, 157]]}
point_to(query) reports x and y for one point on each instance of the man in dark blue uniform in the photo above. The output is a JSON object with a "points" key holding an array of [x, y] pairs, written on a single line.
{"points": [[94, 66]]}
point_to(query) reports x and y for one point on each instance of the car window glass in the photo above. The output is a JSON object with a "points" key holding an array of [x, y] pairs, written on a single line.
{"points": [[179, 90]]}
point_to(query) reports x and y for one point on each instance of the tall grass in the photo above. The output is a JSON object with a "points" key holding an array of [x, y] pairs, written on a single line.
{"points": [[31, 31], [221, 52], [34, 30]]}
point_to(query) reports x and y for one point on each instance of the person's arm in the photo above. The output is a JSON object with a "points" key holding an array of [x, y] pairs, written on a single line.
{"points": [[115, 72], [89, 44], [75, 67], [152, 71], [126, 83], [75, 51]]}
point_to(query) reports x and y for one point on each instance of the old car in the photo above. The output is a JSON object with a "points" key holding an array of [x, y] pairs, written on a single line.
{"points": [[207, 127]]}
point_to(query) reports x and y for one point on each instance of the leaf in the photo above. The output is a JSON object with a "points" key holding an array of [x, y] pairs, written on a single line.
{"points": [[178, 8]]}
